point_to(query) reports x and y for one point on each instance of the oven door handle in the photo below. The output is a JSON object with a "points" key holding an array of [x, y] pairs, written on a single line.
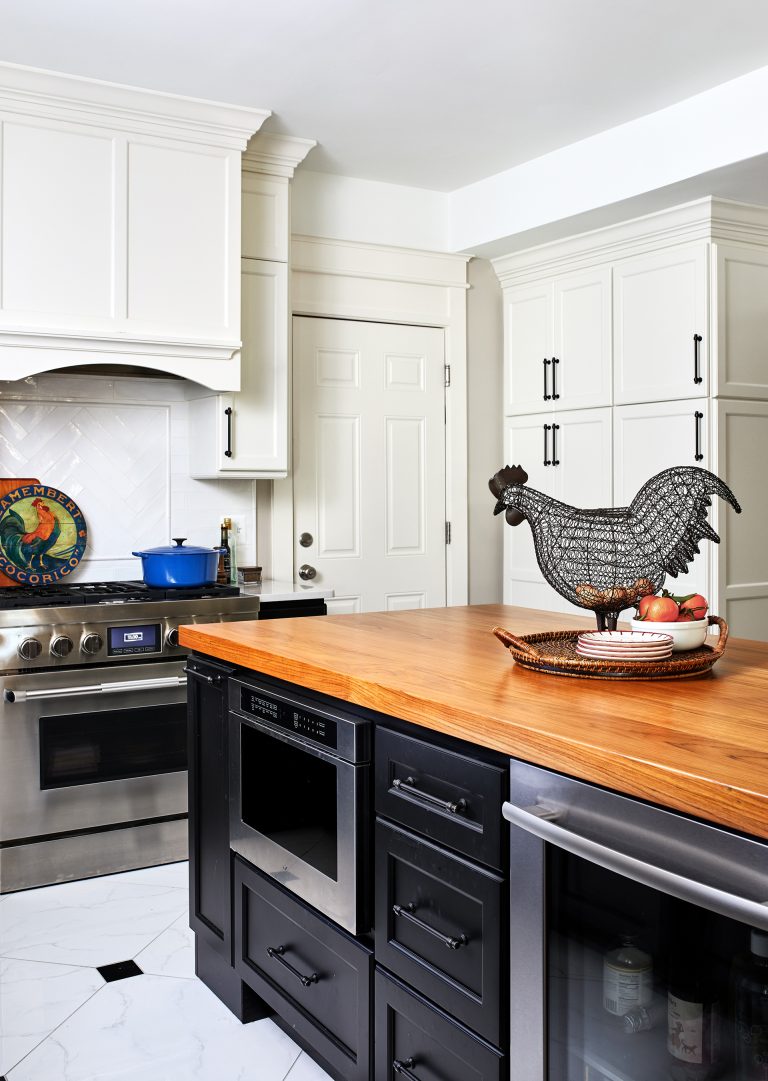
{"points": [[118, 687], [540, 820]]}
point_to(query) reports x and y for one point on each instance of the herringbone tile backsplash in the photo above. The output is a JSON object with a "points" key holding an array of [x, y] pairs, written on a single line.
{"points": [[119, 447]]}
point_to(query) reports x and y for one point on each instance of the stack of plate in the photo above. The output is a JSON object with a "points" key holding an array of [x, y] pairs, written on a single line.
{"points": [[624, 645]]}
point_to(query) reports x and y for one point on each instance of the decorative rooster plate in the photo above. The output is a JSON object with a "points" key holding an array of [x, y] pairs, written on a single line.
{"points": [[42, 535]]}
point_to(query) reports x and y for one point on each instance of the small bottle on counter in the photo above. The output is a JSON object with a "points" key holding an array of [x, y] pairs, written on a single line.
{"points": [[627, 978], [225, 565], [751, 1011], [232, 542]]}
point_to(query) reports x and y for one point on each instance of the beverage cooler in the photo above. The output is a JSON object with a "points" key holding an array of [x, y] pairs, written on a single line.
{"points": [[639, 939]]}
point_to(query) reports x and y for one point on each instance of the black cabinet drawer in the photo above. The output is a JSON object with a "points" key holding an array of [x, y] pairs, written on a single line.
{"points": [[317, 977], [439, 922], [449, 797], [415, 1042]]}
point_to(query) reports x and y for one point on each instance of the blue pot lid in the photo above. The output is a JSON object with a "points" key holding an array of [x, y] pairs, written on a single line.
{"points": [[178, 548]]}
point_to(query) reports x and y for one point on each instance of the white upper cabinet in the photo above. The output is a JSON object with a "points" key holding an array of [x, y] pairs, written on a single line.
{"points": [[119, 227], [558, 343], [740, 321], [660, 329]]}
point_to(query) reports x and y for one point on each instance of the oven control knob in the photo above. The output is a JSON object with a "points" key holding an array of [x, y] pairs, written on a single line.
{"points": [[61, 646], [91, 644], [29, 649], [172, 637]]}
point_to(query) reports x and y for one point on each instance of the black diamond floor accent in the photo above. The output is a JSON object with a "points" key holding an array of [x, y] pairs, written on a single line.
{"points": [[120, 970]]}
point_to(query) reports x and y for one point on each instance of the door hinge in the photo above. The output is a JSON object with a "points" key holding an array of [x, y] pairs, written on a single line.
{"points": [[447, 532], [447, 375]]}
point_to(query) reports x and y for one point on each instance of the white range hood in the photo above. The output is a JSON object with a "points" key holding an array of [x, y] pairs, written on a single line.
{"points": [[119, 228]]}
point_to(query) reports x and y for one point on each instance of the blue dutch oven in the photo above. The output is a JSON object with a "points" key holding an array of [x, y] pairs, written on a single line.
{"points": [[172, 565]]}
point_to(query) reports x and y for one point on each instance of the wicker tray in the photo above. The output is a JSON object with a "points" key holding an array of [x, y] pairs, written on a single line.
{"points": [[555, 652]]}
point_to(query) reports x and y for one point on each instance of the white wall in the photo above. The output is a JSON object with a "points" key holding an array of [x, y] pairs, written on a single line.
{"points": [[119, 448], [485, 435]]}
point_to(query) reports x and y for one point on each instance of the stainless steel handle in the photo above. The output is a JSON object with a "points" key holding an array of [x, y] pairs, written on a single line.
{"points": [[454, 807], [306, 572], [540, 821], [403, 1067], [276, 953], [121, 687], [407, 912]]}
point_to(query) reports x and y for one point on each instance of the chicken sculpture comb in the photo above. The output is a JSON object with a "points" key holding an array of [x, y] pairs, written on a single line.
{"points": [[606, 560]]}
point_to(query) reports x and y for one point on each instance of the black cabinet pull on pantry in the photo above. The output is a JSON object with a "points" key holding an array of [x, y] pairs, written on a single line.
{"points": [[697, 378], [547, 396], [408, 785], [228, 414], [698, 416], [276, 953], [547, 428], [555, 430], [407, 912], [555, 362]]}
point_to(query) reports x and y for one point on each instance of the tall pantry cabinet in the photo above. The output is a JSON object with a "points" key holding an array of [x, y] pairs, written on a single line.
{"points": [[634, 348]]}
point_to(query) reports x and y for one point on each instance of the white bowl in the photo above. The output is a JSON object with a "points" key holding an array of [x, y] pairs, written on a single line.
{"points": [[688, 635]]}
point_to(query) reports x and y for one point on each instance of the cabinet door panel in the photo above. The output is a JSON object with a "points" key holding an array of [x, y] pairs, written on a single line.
{"points": [[583, 476], [524, 583], [659, 304], [527, 342], [649, 438], [582, 346], [740, 281]]}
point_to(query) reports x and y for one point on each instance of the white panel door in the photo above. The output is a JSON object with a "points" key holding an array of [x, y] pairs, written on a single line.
{"points": [[528, 342], [581, 376], [649, 438], [369, 462], [740, 283], [659, 310]]}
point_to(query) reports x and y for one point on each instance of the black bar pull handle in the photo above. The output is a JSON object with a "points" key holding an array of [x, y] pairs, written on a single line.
{"points": [[228, 414], [406, 912], [547, 427], [546, 365], [276, 953], [555, 362], [697, 419], [408, 786], [212, 681], [403, 1067], [555, 430], [697, 377]]}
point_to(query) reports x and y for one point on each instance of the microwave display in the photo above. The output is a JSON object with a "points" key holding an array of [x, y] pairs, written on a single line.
{"points": [[123, 641], [302, 722]]}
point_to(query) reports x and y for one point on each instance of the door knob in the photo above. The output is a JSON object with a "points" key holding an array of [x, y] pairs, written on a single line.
{"points": [[306, 540], [306, 572]]}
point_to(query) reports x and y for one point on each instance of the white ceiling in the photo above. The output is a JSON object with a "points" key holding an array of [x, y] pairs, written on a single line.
{"points": [[428, 93]]}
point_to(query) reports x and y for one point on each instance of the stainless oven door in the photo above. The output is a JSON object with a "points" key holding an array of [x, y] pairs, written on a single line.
{"points": [[91, 747], [298, 814]]}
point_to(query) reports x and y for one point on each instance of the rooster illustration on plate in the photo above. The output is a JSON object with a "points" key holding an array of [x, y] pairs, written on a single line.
{"points": [[606, 560], [42, 535]]}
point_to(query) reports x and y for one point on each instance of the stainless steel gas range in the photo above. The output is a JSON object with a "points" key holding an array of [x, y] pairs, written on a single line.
{"points": [[93, 726]]}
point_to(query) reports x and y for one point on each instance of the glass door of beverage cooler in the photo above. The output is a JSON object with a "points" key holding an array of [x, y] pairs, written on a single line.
{"points": [[639, 940]]}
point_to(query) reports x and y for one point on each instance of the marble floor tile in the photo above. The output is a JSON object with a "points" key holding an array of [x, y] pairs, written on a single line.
{"points": [[157, 1028], [88, 923], [165, 874], [34, 999], [172, 953], [305, 1069]]}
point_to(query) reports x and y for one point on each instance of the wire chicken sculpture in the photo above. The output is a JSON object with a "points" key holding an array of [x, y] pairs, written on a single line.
{"points": [[606, 560]]}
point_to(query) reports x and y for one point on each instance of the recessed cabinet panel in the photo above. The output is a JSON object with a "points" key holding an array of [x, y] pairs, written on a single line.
{"points": [[581, 373], [582, 475], [178, 255], [649, 438], [265, 214], [659, 310], [58, 201], [741, 284], [527, 342]]}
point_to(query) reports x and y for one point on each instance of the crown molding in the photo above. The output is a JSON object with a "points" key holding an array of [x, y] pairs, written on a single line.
{"points": [[703, 219], [33, 92], [379, 262], [276, 155]]}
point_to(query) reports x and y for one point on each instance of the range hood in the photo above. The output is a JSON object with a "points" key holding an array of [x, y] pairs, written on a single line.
{"points": [[119, 228]]}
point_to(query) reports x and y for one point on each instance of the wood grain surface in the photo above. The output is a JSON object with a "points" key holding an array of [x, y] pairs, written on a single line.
{"points": [[697, 745]]}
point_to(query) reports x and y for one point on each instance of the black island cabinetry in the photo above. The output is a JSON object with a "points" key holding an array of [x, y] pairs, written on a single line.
{"points": [[413, 985]]}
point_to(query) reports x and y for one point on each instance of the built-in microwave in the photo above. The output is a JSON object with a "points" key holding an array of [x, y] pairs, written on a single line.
{"points": [[299, 796]]}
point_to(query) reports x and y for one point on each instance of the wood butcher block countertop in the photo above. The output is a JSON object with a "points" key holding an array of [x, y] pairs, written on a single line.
{"points": [[697, 745]]}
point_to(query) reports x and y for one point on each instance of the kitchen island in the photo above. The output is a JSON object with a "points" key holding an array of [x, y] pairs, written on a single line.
{"points": [[435, 703]]}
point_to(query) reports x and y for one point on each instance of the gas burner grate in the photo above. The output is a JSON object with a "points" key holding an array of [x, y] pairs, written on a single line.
{"points": [[104, 593]]}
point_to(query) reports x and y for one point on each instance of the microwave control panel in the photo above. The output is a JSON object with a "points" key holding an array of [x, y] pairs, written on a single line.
{"points": [[302, 722]]}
